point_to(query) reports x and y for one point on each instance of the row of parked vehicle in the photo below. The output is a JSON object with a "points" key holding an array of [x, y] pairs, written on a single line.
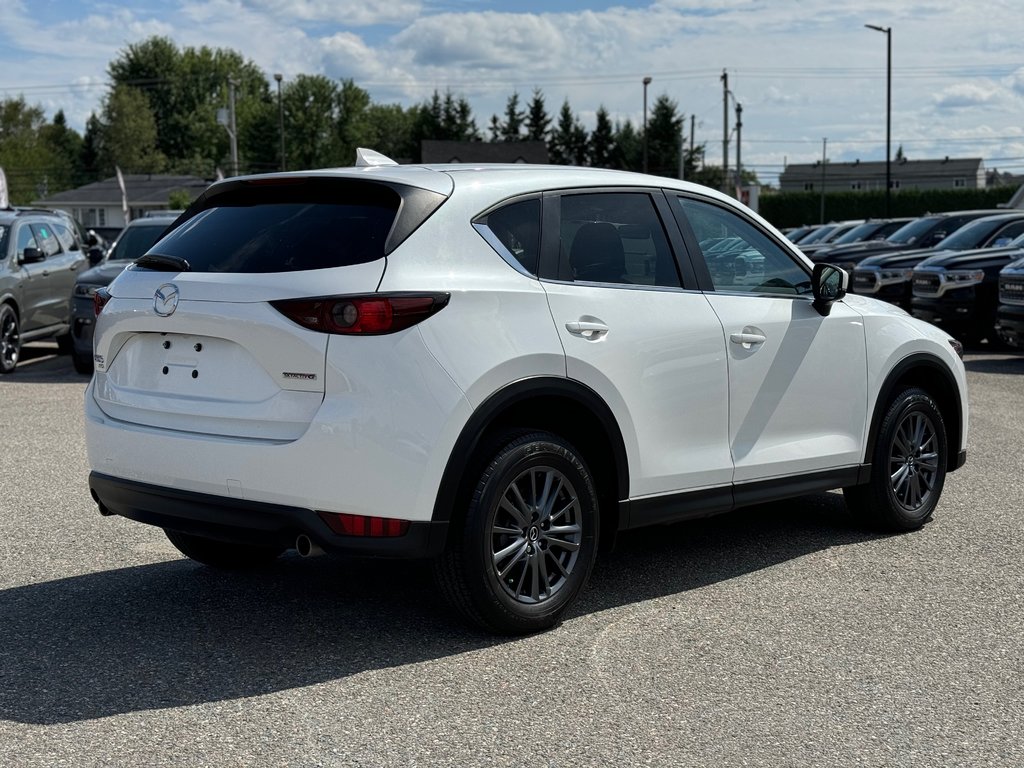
{"points": [[962, 270], [50, 269]]}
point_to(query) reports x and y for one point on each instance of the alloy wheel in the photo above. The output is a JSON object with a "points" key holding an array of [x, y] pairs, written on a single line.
{"points": [[914, 461], [536, 533]]}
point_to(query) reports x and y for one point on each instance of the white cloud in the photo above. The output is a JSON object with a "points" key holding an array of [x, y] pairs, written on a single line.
{"points": [[355, 13]]}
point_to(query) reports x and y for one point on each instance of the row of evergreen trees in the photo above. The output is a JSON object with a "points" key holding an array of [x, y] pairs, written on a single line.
{"points": [[160, 116]]}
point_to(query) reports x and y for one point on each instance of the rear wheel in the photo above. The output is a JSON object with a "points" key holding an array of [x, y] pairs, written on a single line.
{"points": [[10, 339], [908, 467], [527, 543], [222, 554]]}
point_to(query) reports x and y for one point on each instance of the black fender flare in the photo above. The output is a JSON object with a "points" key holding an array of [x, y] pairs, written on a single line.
{"points": [[498, 403], [918, 360]]}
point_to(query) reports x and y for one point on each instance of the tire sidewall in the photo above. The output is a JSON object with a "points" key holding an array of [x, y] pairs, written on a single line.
{"points": [[908, 402], [527, 452], [7, 311]]}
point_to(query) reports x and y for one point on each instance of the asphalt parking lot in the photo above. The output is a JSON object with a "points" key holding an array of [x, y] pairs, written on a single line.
{"points": [[779, 635]]}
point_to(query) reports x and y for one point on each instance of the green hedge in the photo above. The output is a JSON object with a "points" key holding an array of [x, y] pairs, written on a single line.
{"points": [[793, 209]]}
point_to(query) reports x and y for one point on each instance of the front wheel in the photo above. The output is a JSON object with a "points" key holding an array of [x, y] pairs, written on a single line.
{"points": [[526, 545], [10, 339], [222, 554], [908, 467]]}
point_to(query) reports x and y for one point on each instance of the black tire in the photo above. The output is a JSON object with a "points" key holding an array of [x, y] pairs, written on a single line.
{"points": [[82, 362], [222, 554], [509, 567], [65, 346], [908, 467], [10, 339]]}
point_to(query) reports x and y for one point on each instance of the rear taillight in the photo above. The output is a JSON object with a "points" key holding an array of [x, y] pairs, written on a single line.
{"points": [[361, 525], [99, 300], [370, 315]]}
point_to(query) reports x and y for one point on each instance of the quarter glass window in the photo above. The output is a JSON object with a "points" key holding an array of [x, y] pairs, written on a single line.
{"points": [[739, 256], [616, 237], [517, 227]]}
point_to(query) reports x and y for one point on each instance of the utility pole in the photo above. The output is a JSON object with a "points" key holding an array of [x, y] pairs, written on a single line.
{"points": [[725, 131], [824, 147], [233, 132], [280, 117], [647, 81], [739, 143]]}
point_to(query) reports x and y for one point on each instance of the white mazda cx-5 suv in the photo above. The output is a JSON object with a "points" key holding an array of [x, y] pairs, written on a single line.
{"points": [[497, 367]]}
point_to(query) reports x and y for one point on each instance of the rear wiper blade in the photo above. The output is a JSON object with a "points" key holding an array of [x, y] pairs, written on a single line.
{"points": [[163, 263]]}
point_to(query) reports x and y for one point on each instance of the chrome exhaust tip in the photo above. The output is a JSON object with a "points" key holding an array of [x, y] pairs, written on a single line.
{"points": [[306, 547]]}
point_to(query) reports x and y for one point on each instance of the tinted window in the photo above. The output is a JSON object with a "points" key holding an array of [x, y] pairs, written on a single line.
{"points": [[66, 237], [616, 238], [47, 239], [739, 256], [517, 227], [25, 239], [909, 233], [135, 241], [282, 229], [3, 241]]}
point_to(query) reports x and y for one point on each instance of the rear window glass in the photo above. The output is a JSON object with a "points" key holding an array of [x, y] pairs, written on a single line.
{"points": [[284, 229], [3, 241]]}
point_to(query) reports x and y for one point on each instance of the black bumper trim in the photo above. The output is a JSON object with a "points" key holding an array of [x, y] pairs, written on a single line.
{"points": [[252, 522]]}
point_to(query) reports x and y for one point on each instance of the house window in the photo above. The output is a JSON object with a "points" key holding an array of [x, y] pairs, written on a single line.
{"points": [[856, 185], [808, 186], [101, 217], [894, 184], [959, 183]]}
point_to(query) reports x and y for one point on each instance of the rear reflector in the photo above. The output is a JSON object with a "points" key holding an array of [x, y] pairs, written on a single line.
{"points": [[360, 525], [370, 315]]}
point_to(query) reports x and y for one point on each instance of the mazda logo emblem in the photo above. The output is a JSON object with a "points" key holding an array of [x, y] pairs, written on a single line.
{"points": [[165, 300]]}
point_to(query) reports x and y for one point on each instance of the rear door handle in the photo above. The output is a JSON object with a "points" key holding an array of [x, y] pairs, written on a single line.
{"points": [[587, 329], [748, 339]]}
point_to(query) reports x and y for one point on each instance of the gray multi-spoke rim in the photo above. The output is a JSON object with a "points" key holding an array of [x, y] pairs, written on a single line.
{"points": [[914, 461], [536, 533], [9, 338]]}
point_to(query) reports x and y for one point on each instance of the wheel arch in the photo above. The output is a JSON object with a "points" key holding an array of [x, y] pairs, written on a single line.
{"points": [[562, 406], [934, 377]]}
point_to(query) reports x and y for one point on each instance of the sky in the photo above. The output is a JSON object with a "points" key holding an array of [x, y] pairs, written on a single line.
{"points": [[803, 70]]}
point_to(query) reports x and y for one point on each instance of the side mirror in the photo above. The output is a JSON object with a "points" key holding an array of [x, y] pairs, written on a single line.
{"points": [[95, 256], [829, 285], [32, 256]]}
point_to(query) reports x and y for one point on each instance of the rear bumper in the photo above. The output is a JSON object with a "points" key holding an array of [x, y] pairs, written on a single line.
{"points": [[239, 520]]}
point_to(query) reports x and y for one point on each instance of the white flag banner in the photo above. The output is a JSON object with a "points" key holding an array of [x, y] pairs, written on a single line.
{"points": [[124, 195], [5, 200]]}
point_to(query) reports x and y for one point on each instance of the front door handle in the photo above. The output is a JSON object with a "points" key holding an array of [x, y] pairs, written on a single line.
{"points": [[747, 339], [587, 329]]}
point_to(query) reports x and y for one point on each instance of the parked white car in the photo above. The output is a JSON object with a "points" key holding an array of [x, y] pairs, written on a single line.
{"points": [[497, 367]]}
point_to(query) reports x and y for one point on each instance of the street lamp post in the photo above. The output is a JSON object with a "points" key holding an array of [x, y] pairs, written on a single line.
{"points": [[280, 117], [647, 81], [888, 114]]}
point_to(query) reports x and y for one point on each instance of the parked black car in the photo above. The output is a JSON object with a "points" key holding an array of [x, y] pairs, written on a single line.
{"points": [[1010, 313], [874, 229], [888, 276], [959, 292], [919, 234], [134, 240]]}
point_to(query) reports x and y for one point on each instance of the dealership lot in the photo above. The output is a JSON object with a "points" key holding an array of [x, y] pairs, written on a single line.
{"points": [[782, 634]]}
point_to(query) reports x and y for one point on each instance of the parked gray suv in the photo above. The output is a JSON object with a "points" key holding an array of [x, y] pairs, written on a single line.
{"points": [[40, 254]]}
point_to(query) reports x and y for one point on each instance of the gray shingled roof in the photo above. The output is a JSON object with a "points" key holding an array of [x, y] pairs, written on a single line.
{"points": [[143, 190], [437, 151]]}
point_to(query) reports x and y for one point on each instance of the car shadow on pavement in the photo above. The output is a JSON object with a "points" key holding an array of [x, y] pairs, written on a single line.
{"points": [[176, 634], [1008, 363]]}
